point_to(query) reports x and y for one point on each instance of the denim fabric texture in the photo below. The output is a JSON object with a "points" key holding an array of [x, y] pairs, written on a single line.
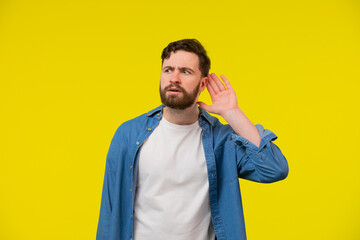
{"points": [[228, 157]]}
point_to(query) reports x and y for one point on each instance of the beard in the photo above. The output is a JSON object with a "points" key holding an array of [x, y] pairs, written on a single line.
{"points": [[175, 101]]}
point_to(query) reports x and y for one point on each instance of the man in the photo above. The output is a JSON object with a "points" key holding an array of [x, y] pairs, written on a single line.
{"points": [[172, 173]]}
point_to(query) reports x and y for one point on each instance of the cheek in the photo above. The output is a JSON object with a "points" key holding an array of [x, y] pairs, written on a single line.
{"points": [[164, 79], [162, 82]]}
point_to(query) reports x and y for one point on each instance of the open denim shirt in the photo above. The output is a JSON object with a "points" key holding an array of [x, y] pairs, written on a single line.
{"points": [[228, 157]]}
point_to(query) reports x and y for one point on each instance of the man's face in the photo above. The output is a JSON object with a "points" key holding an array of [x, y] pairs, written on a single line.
{"points": [[181, 80]]}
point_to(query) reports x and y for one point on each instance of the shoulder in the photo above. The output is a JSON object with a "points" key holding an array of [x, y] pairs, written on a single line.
{"points": [[132, 123], [135, 124]]}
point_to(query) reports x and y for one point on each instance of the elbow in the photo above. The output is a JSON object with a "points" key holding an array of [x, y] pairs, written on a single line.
{"points": [[275, 176], [281, 167], [277, 173], [282, 171]]}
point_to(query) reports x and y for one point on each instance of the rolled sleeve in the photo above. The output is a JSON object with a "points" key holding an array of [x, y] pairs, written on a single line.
{"points": [[265, 135]]}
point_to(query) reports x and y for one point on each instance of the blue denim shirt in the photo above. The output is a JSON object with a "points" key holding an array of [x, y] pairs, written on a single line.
{"points": [[228, 157]]}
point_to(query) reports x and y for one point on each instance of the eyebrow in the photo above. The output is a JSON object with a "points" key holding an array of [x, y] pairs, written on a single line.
{"points": [[181, 68]]}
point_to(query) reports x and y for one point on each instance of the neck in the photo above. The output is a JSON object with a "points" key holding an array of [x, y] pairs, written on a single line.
{"points": [[182, 117]]}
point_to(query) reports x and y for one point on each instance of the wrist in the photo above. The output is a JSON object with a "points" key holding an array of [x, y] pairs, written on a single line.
{"points": [[234, 113]]}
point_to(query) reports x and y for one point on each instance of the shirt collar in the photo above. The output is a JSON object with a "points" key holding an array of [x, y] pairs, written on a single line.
{"points": [[207, 116], [156, 110]]}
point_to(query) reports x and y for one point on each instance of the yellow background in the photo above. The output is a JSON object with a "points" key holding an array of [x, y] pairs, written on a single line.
{"points": [[72, 71]]}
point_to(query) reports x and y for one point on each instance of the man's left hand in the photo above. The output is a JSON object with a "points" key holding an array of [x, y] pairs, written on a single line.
{"points": [[222, 96]]}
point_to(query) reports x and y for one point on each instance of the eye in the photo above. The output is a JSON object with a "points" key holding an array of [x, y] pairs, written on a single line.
{"points": [[186, 72], [167, 70]]}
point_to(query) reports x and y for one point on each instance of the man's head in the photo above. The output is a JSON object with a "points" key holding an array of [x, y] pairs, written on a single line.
{"points": [[189, 45], [185, 66]]}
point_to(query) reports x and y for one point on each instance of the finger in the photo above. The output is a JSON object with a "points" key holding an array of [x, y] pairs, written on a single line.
{"points": [[211, 91], [226, 81], [218, 82], [213, 84]]}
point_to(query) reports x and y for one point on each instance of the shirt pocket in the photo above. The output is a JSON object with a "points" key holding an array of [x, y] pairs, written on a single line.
{"points": [[226, 165]]}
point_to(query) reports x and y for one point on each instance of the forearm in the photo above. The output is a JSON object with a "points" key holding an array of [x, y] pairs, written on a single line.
{"points": [[242, 125]]}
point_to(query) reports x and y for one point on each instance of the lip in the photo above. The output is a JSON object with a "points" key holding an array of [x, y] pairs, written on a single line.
{"points": [[174, 90]]}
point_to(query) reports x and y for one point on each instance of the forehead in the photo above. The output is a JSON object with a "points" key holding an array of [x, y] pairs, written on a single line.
{"points": [[182, 58]]}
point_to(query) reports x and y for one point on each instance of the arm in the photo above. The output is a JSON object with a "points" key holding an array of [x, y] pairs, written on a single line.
{"points": [[258, 158], [103, 229], [265, 163]]}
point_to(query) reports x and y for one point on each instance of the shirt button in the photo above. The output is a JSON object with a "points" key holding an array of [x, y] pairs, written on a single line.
{"points": [[131, 167], [137, 143], [131, 216], [130, 189], [149, 129], [158, 114], [247, 142]]}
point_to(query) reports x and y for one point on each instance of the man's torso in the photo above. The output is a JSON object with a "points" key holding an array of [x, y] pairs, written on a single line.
{"points": [[172, 193]]}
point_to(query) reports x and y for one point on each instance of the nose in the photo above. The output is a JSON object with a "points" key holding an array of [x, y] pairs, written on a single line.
{"points": [[175, 77]]}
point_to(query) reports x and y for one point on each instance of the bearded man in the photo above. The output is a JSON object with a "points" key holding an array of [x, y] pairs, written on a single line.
{"points": [[172, 173]]}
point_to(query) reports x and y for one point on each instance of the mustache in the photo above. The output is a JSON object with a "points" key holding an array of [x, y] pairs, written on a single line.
{"points": [[174, 85]]}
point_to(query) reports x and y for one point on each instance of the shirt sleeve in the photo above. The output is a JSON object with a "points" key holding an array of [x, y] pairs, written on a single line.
{"points": [[265, 163], [105, 208], [104, 224]]}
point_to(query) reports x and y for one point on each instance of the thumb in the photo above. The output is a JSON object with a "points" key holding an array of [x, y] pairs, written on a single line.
{"points": [[204, 106]]}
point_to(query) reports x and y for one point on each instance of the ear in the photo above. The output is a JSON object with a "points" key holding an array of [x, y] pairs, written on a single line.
{"points": [[203, 83]]}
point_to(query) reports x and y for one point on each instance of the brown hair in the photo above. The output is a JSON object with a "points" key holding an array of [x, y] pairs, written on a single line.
{"points": [[189, 45]]}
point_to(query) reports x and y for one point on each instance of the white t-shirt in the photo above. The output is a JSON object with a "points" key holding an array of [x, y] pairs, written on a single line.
{"points": [[172, 193]]}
